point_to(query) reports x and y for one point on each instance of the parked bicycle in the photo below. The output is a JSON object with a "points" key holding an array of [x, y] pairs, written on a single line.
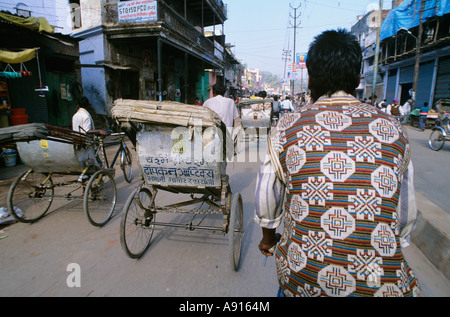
{"points": [[126, 160]]}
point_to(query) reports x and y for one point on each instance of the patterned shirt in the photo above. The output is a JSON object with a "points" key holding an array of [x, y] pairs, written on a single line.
{"points": [[338, 176]]}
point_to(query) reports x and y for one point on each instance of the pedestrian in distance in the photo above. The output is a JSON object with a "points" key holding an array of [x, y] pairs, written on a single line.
{"points": [[423, 116], [374, 101], [443, 116], [406, 111], [382, 105], [340, 185], [276, 107], [197, 102], [395, 109], [286, 105]]}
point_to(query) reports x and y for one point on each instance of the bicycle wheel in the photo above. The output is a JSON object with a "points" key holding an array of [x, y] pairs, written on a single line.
{"points": [[126, 164], [235, 231], [137, 224], [100, 198], [30, 196], [437, 140]]}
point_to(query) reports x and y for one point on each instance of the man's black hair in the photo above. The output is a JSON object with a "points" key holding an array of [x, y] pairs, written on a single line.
{"points": [[219, 89], [334, 63], [83, 102]]}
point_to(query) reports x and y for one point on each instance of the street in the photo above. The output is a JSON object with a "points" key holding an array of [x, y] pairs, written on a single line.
{"points": [[37, 259], [432, 169]]}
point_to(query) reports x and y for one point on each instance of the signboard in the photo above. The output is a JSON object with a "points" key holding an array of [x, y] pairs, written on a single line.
{"points": [[138, 11], [292, 75], [175, 157], [301, 60]]}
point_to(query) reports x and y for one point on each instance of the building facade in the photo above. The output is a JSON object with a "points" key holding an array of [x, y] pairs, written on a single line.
{"points": [[399, 41], [365, 29], [44, 84], [148, 49]]}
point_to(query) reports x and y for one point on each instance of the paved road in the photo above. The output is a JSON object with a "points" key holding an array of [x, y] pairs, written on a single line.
{"points": [[34, 258], [432, 169]]}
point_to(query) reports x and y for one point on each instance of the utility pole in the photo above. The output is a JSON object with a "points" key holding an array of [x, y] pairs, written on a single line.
{"points": [[418, 52], [295, 26], [286, 57], [377, 51]]}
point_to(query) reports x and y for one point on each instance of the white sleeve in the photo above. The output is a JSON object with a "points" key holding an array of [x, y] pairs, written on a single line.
{"points": [[407, 206], [270, 191]]}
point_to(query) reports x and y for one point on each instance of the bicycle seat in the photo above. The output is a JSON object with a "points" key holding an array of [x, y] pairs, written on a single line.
{"points": [[100, 133]]}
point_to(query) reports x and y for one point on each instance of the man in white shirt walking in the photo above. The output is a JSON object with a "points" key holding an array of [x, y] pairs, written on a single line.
{"points": [[227, 111], [224, 107], [407, 111]]}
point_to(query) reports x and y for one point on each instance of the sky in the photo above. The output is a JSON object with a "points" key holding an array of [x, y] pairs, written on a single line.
{"points": [[261, 29]]}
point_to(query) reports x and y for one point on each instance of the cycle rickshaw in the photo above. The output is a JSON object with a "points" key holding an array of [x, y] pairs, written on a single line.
{"points": [[256, 113], [181, 149], [440, 132], [79, 161]]}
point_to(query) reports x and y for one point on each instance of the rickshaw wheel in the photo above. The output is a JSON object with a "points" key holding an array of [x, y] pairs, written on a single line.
{"points": [[235, 231], [137, 224], [30, 196], [437, 140], [126, 164], [100, 198]]}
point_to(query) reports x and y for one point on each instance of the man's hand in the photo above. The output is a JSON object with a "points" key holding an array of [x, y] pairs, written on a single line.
{"points": [[269, 240]]}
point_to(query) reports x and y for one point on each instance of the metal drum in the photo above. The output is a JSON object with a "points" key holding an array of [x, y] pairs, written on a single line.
{"points": [[47, 156]]}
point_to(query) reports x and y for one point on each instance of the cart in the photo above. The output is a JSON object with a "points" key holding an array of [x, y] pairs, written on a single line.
{"points": [[256, 113], [180, 151], [440, 132], [430, 121], [73, 159]]}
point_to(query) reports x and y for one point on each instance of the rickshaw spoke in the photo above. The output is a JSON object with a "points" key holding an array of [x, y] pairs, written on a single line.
{"points": [[100, 198], [30, 196], [136, 228]]}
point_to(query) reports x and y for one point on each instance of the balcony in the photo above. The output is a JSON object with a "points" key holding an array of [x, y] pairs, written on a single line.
{"points": [[202, 13], [166, 23]]}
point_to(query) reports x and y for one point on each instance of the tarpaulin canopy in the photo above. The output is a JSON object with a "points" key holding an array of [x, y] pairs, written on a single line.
{"points": [[9, 57], [35, 24], [407, 15]]}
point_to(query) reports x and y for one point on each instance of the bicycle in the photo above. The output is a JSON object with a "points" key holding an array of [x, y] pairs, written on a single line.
{"points": [[126, 160]]}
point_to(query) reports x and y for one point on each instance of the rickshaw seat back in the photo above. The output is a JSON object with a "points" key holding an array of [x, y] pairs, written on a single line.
{"points": [[178, 145], [63, 152], [48, 156], [178, 157]]}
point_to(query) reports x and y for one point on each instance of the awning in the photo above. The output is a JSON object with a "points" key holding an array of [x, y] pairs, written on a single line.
{"points": [[36, 24], [118, 67], [10, 57], [407, 15]]}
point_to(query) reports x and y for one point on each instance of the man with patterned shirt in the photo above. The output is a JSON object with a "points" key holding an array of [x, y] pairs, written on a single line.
{"points": [[338, 176]]}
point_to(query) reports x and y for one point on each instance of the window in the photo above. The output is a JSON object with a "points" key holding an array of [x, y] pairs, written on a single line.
{"points": [[23, 10], [75, 12]]}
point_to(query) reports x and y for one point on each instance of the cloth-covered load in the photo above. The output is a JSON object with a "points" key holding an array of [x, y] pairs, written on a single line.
{"points": [[23, 132], [163, 112], [167, 114], [39, 131]]}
